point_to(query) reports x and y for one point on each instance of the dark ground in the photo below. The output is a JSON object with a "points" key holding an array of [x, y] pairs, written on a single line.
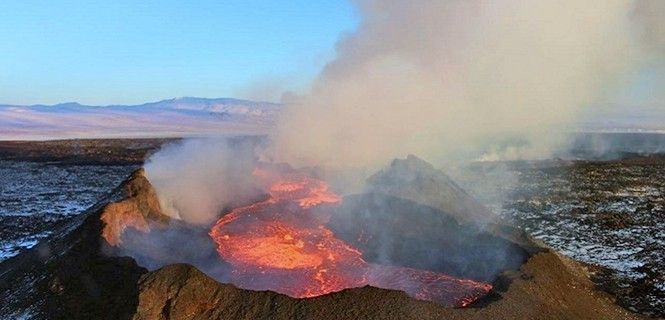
{"points": [[608, 214], [82, 152], [44, 183]]}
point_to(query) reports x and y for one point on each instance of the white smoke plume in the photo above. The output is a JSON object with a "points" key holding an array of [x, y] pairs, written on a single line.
{"points": [[652, 26], [451, 78], [441, 79], [196, 179]]}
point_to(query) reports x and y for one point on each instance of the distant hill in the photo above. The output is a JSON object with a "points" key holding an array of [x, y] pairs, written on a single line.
{"points": [[192, 116], [187, 116]]}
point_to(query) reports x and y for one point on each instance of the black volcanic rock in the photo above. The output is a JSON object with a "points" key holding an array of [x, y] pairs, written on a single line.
{"points": [[397, 231], [415, 179]]}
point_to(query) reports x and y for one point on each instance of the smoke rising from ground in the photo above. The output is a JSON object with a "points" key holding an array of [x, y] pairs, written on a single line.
{"points": [[196, 179], [444, 79]]}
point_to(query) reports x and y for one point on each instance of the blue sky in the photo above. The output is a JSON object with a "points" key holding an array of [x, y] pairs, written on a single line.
{"points": [[121, 51], [127, 52]]}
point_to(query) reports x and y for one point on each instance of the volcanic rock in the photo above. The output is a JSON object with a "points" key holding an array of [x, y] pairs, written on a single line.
{"points": [[415, 179], [547, 287], [138, 210]]}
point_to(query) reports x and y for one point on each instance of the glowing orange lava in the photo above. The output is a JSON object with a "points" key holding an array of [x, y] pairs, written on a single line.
{"points": [[279, 244]]}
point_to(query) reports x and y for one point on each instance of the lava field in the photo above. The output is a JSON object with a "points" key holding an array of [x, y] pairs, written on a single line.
{"points": [[608, 214]]}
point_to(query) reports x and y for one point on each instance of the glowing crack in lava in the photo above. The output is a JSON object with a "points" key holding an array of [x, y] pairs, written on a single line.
{"points": [[280, 244]]}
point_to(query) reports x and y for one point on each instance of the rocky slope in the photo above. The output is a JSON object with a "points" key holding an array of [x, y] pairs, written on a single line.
{"points": [[140, 210], [414, 179]]}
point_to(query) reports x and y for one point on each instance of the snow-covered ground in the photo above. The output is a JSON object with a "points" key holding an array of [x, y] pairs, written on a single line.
{"points": [[34, 196], [609, 214]]}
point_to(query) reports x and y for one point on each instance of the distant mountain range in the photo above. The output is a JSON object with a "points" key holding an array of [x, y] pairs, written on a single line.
{"points": [[187, 116], [190, 116]]}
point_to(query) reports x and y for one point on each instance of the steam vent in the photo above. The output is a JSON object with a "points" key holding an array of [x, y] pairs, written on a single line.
{"points": [[413, 245]]}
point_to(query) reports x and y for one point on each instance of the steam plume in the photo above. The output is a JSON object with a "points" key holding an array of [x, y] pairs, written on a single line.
{"points": [[652, 27], [439, 79], [458, 77], [196, 179]]}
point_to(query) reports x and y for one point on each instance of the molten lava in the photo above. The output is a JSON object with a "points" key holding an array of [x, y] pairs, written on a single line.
{"points": [[280, 244]]}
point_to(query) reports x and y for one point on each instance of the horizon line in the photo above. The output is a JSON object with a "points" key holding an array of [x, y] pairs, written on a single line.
{"points": [[135, 104]]}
